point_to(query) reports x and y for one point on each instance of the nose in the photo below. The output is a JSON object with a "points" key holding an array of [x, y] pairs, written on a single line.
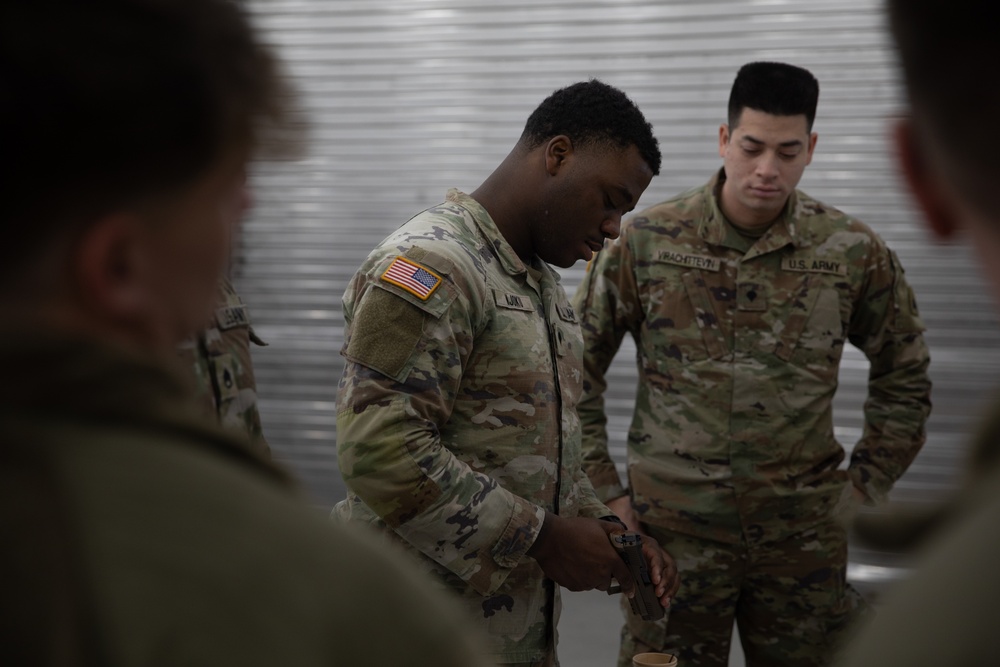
{"points": [[612, 226], [767, 166]]}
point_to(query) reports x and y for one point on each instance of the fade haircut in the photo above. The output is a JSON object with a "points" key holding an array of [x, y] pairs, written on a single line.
{"points": [[109, 103], [593, 112], [778, 89], [948, 51]]}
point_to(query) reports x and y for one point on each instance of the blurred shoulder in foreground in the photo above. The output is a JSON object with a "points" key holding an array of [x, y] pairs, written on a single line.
{"points": [[947, 151], [134, 530]]}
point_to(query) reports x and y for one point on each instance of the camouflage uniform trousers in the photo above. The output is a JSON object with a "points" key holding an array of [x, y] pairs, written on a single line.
{"points": [[790, 600]]}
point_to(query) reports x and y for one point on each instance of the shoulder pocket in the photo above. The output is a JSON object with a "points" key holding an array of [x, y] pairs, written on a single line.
{"points": [[389, 320]]}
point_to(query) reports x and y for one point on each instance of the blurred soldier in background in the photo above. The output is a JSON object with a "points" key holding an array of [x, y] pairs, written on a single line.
{"points": [[134, 531], [740, 296], [219, 357], [947, 148], [457, 430]]}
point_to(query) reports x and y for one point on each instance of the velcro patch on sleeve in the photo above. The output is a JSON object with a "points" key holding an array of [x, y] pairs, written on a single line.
{"points": [[385, 333], [416, 279]]}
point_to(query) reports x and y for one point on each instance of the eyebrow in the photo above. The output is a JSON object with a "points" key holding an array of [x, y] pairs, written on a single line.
{"points": [[784, 144], [622, 190]]}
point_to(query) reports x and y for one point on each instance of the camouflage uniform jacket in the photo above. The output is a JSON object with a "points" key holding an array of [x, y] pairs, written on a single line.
{"points": [[219, 357], [457, 426], [739, 344]]}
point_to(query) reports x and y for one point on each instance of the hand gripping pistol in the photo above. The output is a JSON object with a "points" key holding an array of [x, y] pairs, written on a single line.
{"points": [[645, 602]]}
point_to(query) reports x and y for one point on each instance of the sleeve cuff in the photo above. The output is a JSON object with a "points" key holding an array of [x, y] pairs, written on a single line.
{"points": [[871, 481], [614, 519], [519, 534]]}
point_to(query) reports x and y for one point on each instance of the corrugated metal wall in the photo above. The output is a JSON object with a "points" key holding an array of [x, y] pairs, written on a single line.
{"points": [[410, 97]]}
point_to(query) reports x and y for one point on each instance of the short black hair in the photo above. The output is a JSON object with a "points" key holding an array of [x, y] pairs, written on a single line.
{"points": [[107, 103], [590, 112], [778, 89], [948, 51]]}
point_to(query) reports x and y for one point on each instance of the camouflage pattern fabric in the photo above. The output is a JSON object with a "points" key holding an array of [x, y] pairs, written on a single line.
{"points": [[739, 344], [220, 359], [457, 426], [791, 598]]}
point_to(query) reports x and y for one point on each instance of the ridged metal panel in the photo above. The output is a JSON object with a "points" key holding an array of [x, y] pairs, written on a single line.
{"points": [[410, 97]]}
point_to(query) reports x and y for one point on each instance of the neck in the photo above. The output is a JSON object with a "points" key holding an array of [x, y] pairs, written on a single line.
{"points": [[503, 194]]}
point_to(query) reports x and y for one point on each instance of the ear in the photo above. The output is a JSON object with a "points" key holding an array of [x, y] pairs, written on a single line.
{"points": [[723, 139], [109, 269], [557, 152], [927, 190], [812, 147]]}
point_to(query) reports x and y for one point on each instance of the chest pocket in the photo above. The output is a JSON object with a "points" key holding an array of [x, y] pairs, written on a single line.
{"points": [[512, 341], [569, 351], [705, 314], [813, 333], [566, 328], [685, 321]]}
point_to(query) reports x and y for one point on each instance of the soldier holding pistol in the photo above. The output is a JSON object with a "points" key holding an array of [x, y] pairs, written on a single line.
{"points": [[457, 430]]}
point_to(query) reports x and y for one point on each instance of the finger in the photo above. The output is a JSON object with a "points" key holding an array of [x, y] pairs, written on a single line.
{"points": [[622, 574], [674, 584], [662, 577], [653, 554], [665, 601]]}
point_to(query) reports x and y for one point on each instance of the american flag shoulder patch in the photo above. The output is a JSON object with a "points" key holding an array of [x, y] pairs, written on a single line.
{"points": [[414, 278]]}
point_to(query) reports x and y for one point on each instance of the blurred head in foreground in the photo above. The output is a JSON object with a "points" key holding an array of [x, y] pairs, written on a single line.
{"points": [[128, 127], [135, 530], [947, 152]]}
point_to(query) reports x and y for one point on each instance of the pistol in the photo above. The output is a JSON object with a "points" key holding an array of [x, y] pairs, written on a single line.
{"points": [[645, 602]]}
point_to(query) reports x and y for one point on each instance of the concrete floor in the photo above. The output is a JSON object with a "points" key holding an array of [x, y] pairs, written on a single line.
{"points": [[589, 630]]}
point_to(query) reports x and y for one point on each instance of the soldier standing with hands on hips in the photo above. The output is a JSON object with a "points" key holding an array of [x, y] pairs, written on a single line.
{"points": [[740, 296]]}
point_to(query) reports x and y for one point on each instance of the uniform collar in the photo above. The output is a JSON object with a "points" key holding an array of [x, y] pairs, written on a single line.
{"points": [[784, 231], [509, 259]]}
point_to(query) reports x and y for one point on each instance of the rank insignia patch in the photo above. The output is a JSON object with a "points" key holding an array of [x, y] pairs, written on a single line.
{"points": [[415, 279]]}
